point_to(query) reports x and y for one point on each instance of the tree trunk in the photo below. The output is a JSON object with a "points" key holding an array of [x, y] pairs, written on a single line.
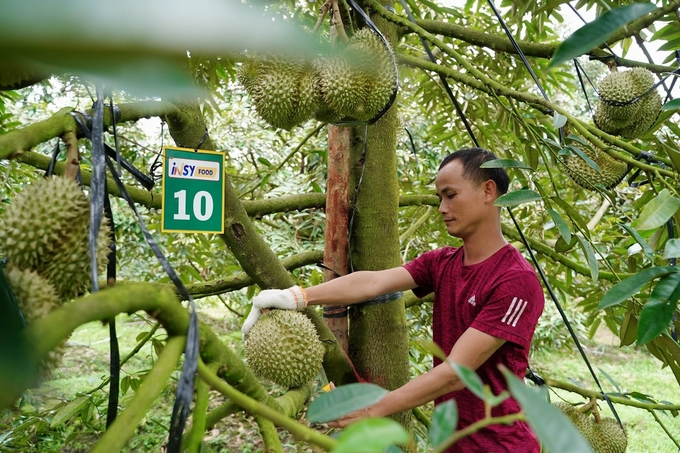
{"points": [[378, 333]]}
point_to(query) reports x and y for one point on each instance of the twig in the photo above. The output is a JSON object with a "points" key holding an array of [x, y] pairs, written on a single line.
{"points": [[257, 408], [668, 433], [272, 443], [336, 22], [322, 15], [473, 428], [198, 421], [72, 155]]}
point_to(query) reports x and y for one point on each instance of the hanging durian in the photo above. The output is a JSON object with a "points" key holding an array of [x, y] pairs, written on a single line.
{"points": [[45, 229], [612, 171], [630, 120], [359, 81], [604, 435], [283, 346], [36, 298]]}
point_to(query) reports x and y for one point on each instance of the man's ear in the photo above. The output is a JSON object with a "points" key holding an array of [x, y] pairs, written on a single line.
{"points": [[490, 190]]}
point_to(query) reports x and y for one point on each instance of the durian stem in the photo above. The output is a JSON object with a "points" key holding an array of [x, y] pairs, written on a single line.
{"points": [[614, 399], [663, 426], [198, 420], [337, 22], [72, 155], [473, 428], [272, 443], [116, 436], [254, 407]]}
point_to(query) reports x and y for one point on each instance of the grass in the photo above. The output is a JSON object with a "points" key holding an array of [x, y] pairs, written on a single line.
{"points": [[86, 365]]}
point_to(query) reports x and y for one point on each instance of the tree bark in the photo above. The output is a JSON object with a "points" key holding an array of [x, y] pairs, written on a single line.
{"points": [[378, 333]]}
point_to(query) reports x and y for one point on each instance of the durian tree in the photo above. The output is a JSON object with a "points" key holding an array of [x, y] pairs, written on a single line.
{"points": [[590, 229]]}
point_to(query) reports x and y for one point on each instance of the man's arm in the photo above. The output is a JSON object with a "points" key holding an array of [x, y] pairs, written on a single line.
{"points": [[472, 349], [359, 286]]}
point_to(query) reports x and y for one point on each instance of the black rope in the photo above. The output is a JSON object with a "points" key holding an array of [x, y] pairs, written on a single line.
{"points": [[548, 287], [393, 96], [579, 71], [382, 299], [185, 389], [447, 88], [606, 46], [53, 161], [413, 145], [114, 364], [157, 163]]}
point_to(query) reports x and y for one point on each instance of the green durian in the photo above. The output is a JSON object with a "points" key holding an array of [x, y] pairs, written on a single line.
{"points": [[611, 173], [36, 221], [283, 347], [69, 267], [16, 74], [630, 120], [604, 436], [359, 81], [36, 298]]}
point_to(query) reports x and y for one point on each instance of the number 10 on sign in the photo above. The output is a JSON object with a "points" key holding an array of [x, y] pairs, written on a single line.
{"points": [[193, 191]]}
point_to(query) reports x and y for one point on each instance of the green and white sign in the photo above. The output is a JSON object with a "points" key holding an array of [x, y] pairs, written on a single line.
{"points": [[193, 191]]}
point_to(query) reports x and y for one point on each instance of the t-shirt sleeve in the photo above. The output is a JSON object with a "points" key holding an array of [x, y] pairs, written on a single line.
{"points": [[423, 271], [512, 309]]}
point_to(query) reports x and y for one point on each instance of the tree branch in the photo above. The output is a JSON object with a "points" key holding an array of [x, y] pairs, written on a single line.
{"points": [[614, 398], [272, 443], [18, 141], [254, 407]]}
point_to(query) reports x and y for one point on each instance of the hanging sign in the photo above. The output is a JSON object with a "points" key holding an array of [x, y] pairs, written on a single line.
{"points": [[193, 191]]}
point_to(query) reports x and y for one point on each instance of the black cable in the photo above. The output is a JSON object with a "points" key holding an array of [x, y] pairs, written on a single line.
{"points": [[577, 65], [548, 287], [114, 364], [115, 135], [459, 109], [606, 46], [413, 145], [53, 161]]}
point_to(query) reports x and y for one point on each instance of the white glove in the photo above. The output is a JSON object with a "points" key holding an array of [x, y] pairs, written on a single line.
{"points": [[293, 298]]}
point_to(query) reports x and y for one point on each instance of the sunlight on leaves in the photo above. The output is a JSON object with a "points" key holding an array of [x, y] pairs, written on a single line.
{"points": [[630, 286], [657, 212], [517, 197]]}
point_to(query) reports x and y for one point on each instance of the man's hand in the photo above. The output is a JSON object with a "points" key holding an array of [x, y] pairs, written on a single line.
{"points": [[293, 298], [349, 418]]}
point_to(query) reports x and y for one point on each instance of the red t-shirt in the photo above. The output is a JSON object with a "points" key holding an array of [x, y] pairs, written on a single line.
{"points": [[502, 297]]}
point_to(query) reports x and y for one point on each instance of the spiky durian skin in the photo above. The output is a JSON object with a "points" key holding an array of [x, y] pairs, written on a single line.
{"points": [[36, 298], [309, 98], [283, 347], [359, 81], [605, 436], [611, 173], [631, 120], [69, 267], [34, 223], [273, 84]]}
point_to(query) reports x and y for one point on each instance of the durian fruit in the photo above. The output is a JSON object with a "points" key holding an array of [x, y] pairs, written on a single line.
{"points": [[34, 223], [45, 229], [604, 436], [283, 347], [273, 84], [359, 81], [69, 267], [36, 298], [630, 120], [18, 74], [611, 173]]}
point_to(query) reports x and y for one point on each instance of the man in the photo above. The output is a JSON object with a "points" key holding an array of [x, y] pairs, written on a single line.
{"points": [[486, 305]]}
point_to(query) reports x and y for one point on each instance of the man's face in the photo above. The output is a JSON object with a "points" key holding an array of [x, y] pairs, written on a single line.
{"points": [[464, 203]]}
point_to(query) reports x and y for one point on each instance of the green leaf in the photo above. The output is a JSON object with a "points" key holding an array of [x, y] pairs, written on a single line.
{"points": [[590, 256], [658, 311], [654, 319], [554, 430], [344, 400], [561, 224], [472, 382], [657, 212], [594, 33], [371, 435], [630, 286], [559, 120], [610, 379], [672, 105], [517, 197], [69, 411], [640, 240], [585, 157], [443, 423], [672, 249], [434, 349], [505, 163], [572, 213], [264, 161]]}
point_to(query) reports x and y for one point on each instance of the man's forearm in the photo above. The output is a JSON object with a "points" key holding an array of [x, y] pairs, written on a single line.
{"points": [[421, 390]]}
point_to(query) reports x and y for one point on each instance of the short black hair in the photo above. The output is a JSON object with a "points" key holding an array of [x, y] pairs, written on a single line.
{"points": [[472, 159]]}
